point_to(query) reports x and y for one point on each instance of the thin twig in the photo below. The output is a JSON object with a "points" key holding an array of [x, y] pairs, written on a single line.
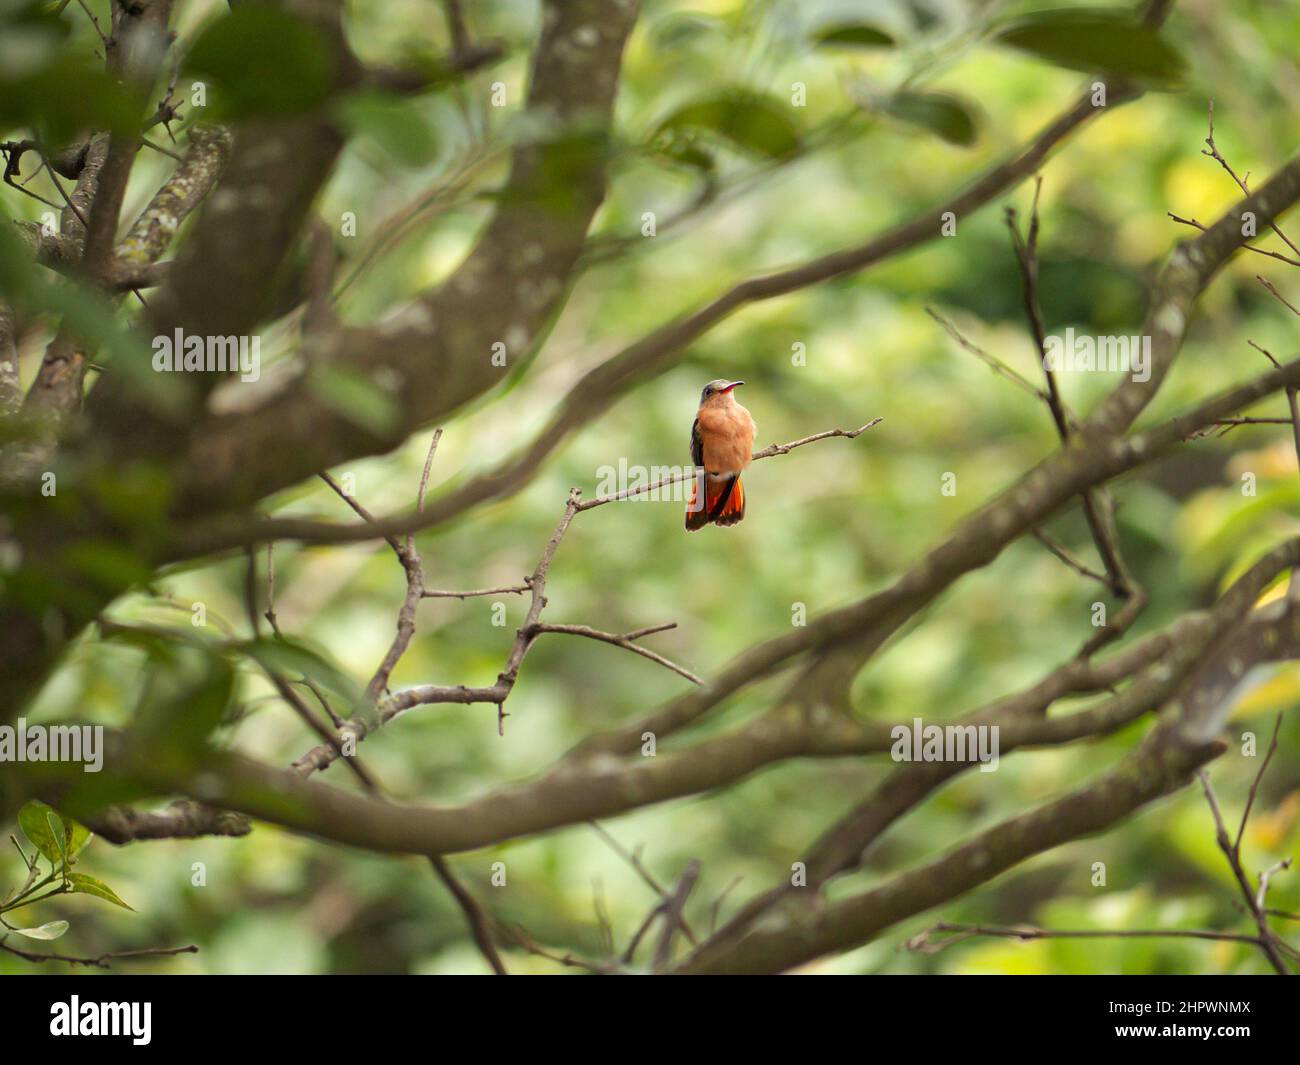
{"points": [[673, 908], [924, 944], [1060, 552], [633, 858], [103, 961], [627, 642], [1098, 507], [1212, 150], [480, 924], [1249, 247], [103, 37], [511, 589], [1254, 786], [1266, 938], [995, 364]]}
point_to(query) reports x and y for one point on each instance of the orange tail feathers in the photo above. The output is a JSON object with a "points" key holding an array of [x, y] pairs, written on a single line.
{"points": [[724, 504], [696, 516]]}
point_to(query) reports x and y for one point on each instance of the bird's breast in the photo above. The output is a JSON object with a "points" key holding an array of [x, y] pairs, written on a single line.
{"points": [[728, 436]]}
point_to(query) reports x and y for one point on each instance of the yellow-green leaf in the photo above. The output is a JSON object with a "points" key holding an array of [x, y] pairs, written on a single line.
{"points": [[750, 122], [35, 824], [51, 833], [855, 35], [943, 114], [1096, 40], [89, 885]]}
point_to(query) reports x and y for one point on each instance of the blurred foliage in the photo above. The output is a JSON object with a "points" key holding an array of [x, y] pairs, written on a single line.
{"points": [[826, 525], [264, 61]]}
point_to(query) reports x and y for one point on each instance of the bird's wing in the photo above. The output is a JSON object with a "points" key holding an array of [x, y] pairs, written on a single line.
{"points": [[697, 444]]}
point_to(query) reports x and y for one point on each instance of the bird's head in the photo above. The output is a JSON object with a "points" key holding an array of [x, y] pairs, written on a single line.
{"points": [[719, 392]]}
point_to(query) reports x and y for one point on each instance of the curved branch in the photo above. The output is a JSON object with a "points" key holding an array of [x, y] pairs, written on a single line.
{"points": [[440, 348]]}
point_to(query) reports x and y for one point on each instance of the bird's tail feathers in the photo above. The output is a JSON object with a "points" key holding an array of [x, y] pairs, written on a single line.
{"points": [[724, 503]]}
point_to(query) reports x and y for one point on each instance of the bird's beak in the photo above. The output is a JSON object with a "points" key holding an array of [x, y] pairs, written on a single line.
{"points": [[732, 385]]}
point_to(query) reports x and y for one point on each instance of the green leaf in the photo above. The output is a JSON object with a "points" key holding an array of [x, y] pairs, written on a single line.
{"points": [[64, 98], [34, 820], [77, 841], [690, 154], [264, 61], [89, 885], [71, 836], [855, 35], [942, 114], [51, 832], [419, 57], [27, 285], [922, 17], [49, 81], [396, 125], [109, 565], [61, 832], [290, 656], [30, 36], [49, 930], [1096, 40], [135, 494], [685, 29], [755, 124], [181, 721], [350, 393]]}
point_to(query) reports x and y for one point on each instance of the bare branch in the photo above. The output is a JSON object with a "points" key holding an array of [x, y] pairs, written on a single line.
{"points": [[103, 961], [925, 943], [181, 820], [672, 914], [625, 641], [1254, 902]]}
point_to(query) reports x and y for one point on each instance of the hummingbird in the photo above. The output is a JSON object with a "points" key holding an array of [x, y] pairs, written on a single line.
{"points": [[722, 444]]}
